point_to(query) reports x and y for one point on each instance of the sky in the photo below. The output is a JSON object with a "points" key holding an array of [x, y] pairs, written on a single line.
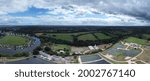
{"points": [[75, 12]]}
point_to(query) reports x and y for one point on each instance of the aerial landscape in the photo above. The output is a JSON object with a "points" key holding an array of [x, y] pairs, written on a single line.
{"points": [[74, 45], [74, 32]]}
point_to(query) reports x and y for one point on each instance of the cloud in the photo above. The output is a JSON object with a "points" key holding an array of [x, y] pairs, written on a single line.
{"points": [[77, 12], [136, 8], [12, 6]]}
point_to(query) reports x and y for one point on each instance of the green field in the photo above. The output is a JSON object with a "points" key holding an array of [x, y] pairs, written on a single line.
{"points": [[60, 46], [87, 37], [80, 36], [136, 40], [66, 37], [102, 36], [13, 40]]}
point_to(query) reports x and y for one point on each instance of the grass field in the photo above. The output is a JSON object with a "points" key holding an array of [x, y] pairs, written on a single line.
{"points": [[87, 37], [102, 36], [66, 37], [119, 57], [80, 36], [61, 46], [136, 40], [14, 40]]}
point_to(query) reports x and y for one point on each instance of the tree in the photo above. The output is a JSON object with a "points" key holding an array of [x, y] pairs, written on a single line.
{"points": [[52, 53], [25, 54], [47, 49], [38, 48], [35, 52]]}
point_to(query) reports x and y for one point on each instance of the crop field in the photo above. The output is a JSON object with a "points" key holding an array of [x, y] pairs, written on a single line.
{"points": [[13, 40]]}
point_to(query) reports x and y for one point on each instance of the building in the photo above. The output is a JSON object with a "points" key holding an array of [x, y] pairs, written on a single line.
{"points": [[45, 55], [91, 47]]}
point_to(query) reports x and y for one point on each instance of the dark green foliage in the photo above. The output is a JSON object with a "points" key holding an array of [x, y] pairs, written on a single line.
{"points": [[35, 52], [47, 49]]}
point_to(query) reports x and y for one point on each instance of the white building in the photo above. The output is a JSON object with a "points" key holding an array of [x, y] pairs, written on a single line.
{"points": [[61, 52], [96, 47], [45, 55], [91, 47]]}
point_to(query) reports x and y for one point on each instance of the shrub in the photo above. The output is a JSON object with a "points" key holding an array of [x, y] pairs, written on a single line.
{"points": [[35, 52]]}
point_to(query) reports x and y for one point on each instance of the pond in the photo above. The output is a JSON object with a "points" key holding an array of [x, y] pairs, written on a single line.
{"points": [[36, 43]]}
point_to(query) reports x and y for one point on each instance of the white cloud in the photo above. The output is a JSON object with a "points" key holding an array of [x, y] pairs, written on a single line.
{"points": [[95, 12], [12, 6]]}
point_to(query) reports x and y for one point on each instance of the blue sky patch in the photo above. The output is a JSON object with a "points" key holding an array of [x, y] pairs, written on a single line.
{"points": [[32, 11]]}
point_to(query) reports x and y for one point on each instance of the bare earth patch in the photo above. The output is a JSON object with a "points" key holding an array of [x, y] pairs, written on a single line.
{"points": [[81, 49]]}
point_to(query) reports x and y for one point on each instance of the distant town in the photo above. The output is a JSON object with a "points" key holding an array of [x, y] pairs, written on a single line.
{"points": [[74, 45]]}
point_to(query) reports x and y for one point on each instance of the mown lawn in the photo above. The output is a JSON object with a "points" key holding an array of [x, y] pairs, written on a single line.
{"points": [[136, 40], [14, 40]]}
